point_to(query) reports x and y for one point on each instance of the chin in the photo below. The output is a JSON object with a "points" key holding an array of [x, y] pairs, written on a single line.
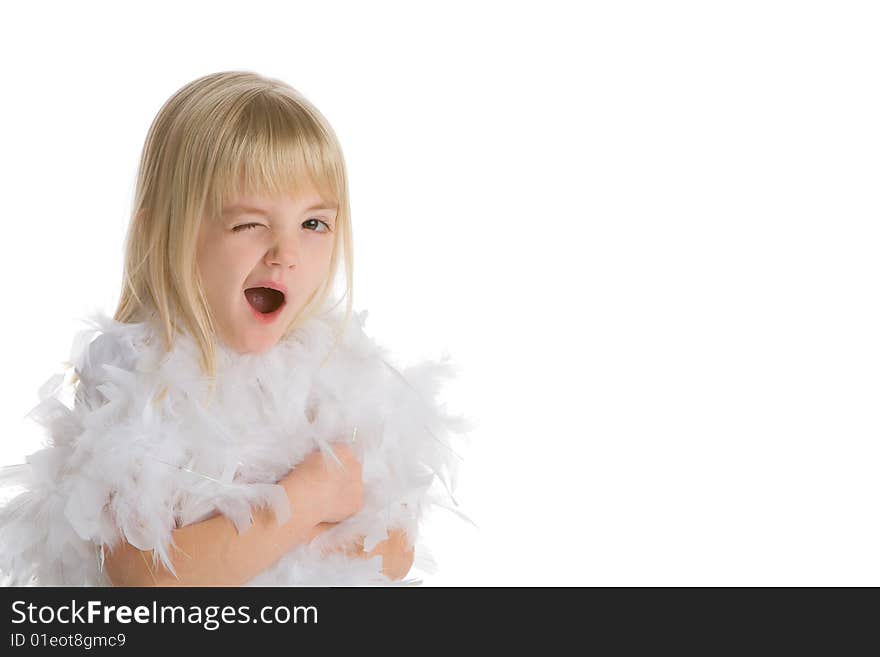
{"points": [[260, 344], [244, 341]]}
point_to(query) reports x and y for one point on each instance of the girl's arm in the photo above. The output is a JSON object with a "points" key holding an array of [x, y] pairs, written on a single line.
{"points": [[213, 553]]}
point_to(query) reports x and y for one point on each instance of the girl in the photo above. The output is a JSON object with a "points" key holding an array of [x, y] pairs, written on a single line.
{"points": [[229, 426]]}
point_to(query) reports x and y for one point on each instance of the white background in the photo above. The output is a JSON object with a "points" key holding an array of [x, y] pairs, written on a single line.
{"points": [[647, 233]]}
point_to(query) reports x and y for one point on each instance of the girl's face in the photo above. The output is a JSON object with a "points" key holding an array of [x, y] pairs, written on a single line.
{"points": [[256, 242]]}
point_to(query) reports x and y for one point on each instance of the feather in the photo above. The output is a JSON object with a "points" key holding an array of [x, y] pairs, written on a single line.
{"points": [[142, 452]]}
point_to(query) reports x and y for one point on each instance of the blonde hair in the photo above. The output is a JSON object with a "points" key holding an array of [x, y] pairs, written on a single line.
{"points": [[218, 137]]}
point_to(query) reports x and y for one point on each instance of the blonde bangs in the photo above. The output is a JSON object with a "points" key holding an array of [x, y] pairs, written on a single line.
{"points": [[275, 148]]}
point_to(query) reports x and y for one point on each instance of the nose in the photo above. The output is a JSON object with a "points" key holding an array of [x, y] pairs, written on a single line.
{"points": [[285, 252]]}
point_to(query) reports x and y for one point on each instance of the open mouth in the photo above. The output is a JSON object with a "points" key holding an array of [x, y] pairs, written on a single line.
{"points": [[264, 300]]}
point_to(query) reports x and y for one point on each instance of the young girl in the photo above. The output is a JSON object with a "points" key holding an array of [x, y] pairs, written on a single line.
{"points": [[229, 426]]}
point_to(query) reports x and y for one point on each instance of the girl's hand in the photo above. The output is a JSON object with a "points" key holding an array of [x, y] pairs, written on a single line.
{"points": [[334, 493], [397, 558]]}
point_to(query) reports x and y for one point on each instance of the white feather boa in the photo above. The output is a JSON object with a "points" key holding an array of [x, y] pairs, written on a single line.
{"points": [[121, 465]]}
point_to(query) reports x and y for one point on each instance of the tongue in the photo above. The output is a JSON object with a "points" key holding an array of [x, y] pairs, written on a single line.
{"points": [[264, 299]]}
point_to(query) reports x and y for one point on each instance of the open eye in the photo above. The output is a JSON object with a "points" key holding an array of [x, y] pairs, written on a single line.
{"points": [[320, 221]]}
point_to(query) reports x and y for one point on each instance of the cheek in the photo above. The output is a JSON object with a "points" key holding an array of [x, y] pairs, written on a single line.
{"points": [[322, 266], [327, 256], [222, 266], [232, 256], [210, 264]]}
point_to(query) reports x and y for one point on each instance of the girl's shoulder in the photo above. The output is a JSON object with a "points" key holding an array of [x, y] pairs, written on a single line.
{"points": [[357, 357], [107, 342], [350, 341]]}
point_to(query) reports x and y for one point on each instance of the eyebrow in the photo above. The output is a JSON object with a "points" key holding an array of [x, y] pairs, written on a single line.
{"points": [[237, 209]]}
